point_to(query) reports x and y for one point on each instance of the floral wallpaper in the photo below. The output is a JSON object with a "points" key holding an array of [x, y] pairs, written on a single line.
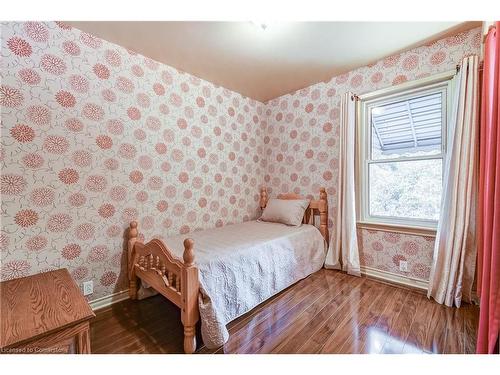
{"points": [[301, 145], [94, 136], [383, 251]]}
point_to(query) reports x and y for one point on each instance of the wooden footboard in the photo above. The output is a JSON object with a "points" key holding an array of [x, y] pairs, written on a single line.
{"points": [[154, 263], [177, 280]]}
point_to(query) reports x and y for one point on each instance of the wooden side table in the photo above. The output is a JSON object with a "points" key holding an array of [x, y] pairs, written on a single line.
{"points": [[44, 313]]}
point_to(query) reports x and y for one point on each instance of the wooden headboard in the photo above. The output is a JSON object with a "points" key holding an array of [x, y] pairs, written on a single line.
{"points": [[316, 207]]}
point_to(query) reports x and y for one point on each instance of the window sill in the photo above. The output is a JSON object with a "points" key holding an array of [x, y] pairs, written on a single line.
{"points": [[418, 231]]}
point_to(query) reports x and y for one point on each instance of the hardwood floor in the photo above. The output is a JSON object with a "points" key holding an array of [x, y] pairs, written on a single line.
{"points": [[328, 312]]}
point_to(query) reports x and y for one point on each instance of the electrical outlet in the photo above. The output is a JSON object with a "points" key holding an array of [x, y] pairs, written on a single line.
{"points": [[88, 287], [403, 266]]}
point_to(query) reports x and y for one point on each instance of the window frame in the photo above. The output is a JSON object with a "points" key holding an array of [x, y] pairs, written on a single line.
{"points": [[443, 83]]}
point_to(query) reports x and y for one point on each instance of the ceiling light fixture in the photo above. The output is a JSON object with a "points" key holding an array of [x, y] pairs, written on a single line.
{"points": [[262, 26]]}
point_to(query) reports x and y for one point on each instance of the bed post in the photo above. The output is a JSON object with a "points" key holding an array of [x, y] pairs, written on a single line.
{"points": [[323, 214], [263, 197], [132, 279], [189, 291]]}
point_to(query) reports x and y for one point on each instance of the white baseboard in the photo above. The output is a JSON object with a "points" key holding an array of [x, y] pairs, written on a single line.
{"points": [[105, 301], [390, 277], [395, 278]]}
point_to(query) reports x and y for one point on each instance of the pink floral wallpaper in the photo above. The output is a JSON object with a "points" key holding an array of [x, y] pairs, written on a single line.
{"points": [[383, 251], [301, 146], [94, 136]]}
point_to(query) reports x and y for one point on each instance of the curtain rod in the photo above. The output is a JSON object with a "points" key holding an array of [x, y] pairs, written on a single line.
{"points": [[457, 67]]}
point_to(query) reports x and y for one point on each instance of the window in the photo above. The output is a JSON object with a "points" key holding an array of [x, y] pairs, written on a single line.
{"points": [[402, 144]]}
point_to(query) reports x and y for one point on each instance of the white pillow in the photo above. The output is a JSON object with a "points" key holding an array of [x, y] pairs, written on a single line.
{"points": [[285, 211]]}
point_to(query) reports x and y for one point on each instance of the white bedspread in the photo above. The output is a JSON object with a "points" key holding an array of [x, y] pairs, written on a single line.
{"points": [[242, 265]]}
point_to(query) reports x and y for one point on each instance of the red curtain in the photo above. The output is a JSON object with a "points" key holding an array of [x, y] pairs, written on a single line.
{"points": [[489, 199]]}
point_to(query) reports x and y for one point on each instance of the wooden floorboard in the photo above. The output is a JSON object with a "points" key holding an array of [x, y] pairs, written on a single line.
{"points": [[348, 331], [398, 333], [292, 339], [419, 326], [291, 322], [260, 324], [328, 312], [329, 328], [377, 333], [435, 330]]}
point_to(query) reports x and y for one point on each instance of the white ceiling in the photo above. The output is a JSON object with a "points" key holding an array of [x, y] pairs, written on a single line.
{"points": [[264, 64]]}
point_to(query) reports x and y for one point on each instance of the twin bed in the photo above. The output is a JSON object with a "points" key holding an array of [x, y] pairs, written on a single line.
{"points": [[237, 267]]}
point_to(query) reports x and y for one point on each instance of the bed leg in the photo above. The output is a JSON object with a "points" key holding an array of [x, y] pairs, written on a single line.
{"points": [[132, 288], [132, 279], [323, 215], [190, 289], [189, 339]]}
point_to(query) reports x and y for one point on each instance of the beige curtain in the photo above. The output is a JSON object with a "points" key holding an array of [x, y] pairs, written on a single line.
{"points": [[343, 250], [453, 267]]}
